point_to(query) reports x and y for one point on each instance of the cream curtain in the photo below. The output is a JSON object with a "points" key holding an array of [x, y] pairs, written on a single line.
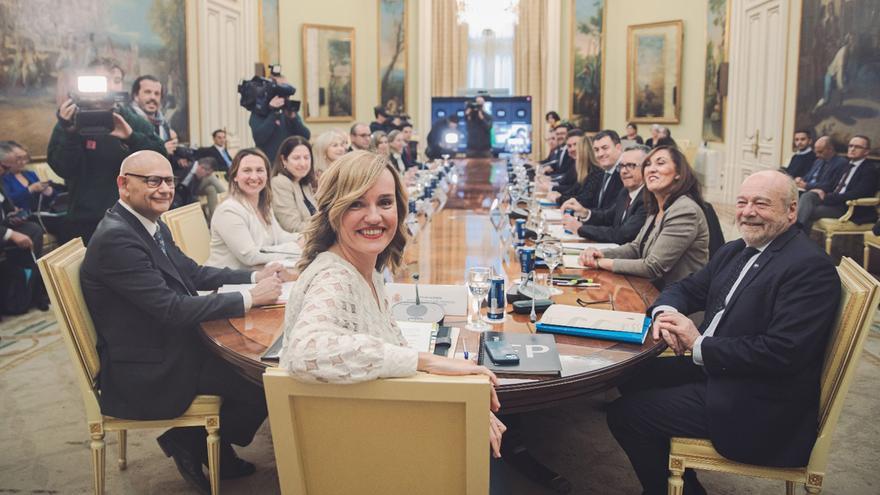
{"points": [[449, 46], [530, 65]]}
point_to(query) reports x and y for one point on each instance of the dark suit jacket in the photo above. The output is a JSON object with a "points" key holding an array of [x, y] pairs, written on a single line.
{"points": [[801, 164], [212, 152], [608, 224], [824, 174], [862, 185], [764, 362], [147, 315], [588, 197], [6, 207]]}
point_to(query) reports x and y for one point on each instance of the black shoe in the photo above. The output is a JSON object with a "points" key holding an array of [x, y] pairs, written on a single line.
{"points": [[524, 463], [231, 465], [187, 464]]}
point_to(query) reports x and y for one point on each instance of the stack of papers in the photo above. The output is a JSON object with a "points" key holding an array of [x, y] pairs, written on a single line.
{"points": [[282, 299], [595, 323], [420, 336], [558, 232], [577, 247]]}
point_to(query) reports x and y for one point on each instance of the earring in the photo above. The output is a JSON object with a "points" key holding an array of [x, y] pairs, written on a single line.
{"points": [[677, 177]]}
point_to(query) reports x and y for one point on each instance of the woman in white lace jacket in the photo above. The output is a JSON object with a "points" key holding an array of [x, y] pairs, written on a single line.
{"points": [[338, 327]]}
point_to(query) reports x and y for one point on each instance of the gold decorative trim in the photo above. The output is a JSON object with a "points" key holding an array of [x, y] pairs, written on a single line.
{"points": [[95, 428], [676, 463], [814, 479], [212, 421]]}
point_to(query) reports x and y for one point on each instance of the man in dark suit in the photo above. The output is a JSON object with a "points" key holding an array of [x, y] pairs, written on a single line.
{"points": [[857, 179], [553, 163], [752, 383], [620, 222], [218, 152], [601, 191], [802, 160], [141, 292], [825, 170]]}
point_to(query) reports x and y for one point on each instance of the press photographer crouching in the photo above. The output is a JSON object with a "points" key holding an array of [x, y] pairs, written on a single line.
{"points": [[96, 130], [22, 242], [195, 177], [274, 115]]}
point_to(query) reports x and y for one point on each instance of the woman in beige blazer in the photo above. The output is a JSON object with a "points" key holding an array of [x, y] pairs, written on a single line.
{"points": [[244, 232], [293, 184], [674, 242]]}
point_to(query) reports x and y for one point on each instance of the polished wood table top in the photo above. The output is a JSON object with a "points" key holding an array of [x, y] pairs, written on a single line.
{"points": [[456, 238]]}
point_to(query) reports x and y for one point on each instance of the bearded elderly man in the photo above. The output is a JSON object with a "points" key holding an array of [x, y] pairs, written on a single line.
{"points": [[752, 382], [141, 291]]}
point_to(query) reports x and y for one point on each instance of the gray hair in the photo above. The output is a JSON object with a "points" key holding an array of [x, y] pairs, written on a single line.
{"points": [[6, 149], [637, 147]]}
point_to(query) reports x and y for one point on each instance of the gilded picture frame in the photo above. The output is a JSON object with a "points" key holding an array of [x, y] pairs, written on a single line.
{"points": [[717, 52], [587, 63], [270, 43], [653, 77], [392, 55], [328, 60]]}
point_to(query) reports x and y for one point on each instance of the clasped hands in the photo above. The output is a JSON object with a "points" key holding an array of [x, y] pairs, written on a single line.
{"points": [[269, 280], [677, 330]]}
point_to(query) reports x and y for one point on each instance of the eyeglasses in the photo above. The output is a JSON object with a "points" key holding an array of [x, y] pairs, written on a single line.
{"points": [[155, 181], [362, 135], [858, 146], [629, 166]]}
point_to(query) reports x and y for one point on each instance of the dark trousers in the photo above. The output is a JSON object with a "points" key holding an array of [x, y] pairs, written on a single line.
{"points": [[810, 209], [666, 399], [22, 257], [71, 229], [242, 412]]}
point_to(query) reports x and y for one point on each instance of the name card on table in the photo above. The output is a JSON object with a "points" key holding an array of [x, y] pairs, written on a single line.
{"points": [[452, 298]]}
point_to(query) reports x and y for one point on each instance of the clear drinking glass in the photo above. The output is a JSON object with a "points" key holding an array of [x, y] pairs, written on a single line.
{"points": [[478, 284], [552, 251]]}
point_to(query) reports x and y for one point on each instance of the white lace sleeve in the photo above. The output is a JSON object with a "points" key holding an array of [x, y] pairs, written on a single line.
{"points": [[326, 339]]}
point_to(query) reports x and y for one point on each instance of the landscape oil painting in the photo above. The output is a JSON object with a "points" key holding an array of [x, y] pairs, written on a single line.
{"points": [[654, 72], [392, 55], [587, 51]]}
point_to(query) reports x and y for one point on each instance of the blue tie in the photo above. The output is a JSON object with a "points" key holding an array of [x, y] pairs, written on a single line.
{"points": [[160, 241]]}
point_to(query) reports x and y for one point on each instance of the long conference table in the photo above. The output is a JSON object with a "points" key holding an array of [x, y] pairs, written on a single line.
{"points": [[458, 237]]}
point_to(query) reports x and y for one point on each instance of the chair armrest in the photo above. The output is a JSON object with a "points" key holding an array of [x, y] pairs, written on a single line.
{"points": [[863, 202]]}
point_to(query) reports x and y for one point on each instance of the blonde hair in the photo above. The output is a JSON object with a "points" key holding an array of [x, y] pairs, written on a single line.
{"points": [[346, 181], [322, 143], [264, 204], [586, 159]]}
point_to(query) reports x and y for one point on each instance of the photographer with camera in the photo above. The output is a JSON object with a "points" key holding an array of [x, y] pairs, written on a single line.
{"points": [[94, 133], [479, 128], [274, 115], [146, 101]]}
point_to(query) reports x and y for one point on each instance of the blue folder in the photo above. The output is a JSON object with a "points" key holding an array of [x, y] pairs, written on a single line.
{"points": [[594, 333]]}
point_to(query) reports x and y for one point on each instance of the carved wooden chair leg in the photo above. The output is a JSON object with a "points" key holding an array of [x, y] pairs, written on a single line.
{"points": [[828, 238], [123, 462], [789, 488], [676, 470], [98, 456], [865, 253], [212, 424]]}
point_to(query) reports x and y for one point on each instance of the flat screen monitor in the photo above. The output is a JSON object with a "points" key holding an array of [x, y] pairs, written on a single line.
{"points": [[511, 121]]}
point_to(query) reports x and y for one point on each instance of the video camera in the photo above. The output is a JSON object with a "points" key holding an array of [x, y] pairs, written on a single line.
{"points": [[473, 105], [95, 105], [257, 92], [186, 152]]}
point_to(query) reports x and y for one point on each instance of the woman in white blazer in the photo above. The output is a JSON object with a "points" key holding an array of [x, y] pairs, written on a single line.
{"points": [[244, 232], [293, 184]]}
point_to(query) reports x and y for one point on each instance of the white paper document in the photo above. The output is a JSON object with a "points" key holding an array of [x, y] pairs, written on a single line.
{"points": [[417, 335], [452, 298], [598, 319], [558, 231], [553, 215], [571, 261], [282, 299]]}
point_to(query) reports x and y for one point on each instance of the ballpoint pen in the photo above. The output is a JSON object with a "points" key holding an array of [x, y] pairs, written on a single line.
{"points": [[464, 343]]}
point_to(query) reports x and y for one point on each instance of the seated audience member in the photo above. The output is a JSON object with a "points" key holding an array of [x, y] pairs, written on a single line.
{"points": [[665, 138], [326, 149], [857, 179], [359, 137], [338, 325], [379, 143], [22, 242], [674, 241], [410, 148], [826, 169], [552, 118], [293, 184], [802, 160], [568, 185], [632, 133], [620, 222], [218, 151], [602, 191], [437, 142], [751, 385], [28, 192], [655, 136], [208, 184], [383, 120], [244, 232], [396, 143], [140, 290]]}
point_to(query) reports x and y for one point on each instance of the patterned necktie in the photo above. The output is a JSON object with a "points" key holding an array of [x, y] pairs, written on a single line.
{"points": [[160, 241], [626, 206], [842, 182], [738, 266]]}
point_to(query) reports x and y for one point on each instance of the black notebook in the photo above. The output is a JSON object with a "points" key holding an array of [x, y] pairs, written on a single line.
{"points": [[538, 356], [273, 354]]}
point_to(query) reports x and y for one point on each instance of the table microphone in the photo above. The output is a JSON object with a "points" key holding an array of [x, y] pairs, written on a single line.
{"points": [[417, 310]]}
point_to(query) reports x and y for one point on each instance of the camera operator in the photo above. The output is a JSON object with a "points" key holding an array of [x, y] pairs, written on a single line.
{"points": [[281, 122], [146, 101], [479, 127], [383, 120], [90, 163]]}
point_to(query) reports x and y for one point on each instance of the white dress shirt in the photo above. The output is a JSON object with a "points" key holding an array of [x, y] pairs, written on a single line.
{"points": [[710, 330]]}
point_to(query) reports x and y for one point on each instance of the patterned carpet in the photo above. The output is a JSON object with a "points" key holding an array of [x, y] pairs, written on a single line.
{"points": [[25, 336]]}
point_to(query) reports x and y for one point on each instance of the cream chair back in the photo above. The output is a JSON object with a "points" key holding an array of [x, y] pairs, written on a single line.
{"points": [[60, 270], [190, 231], [426, 434]]}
